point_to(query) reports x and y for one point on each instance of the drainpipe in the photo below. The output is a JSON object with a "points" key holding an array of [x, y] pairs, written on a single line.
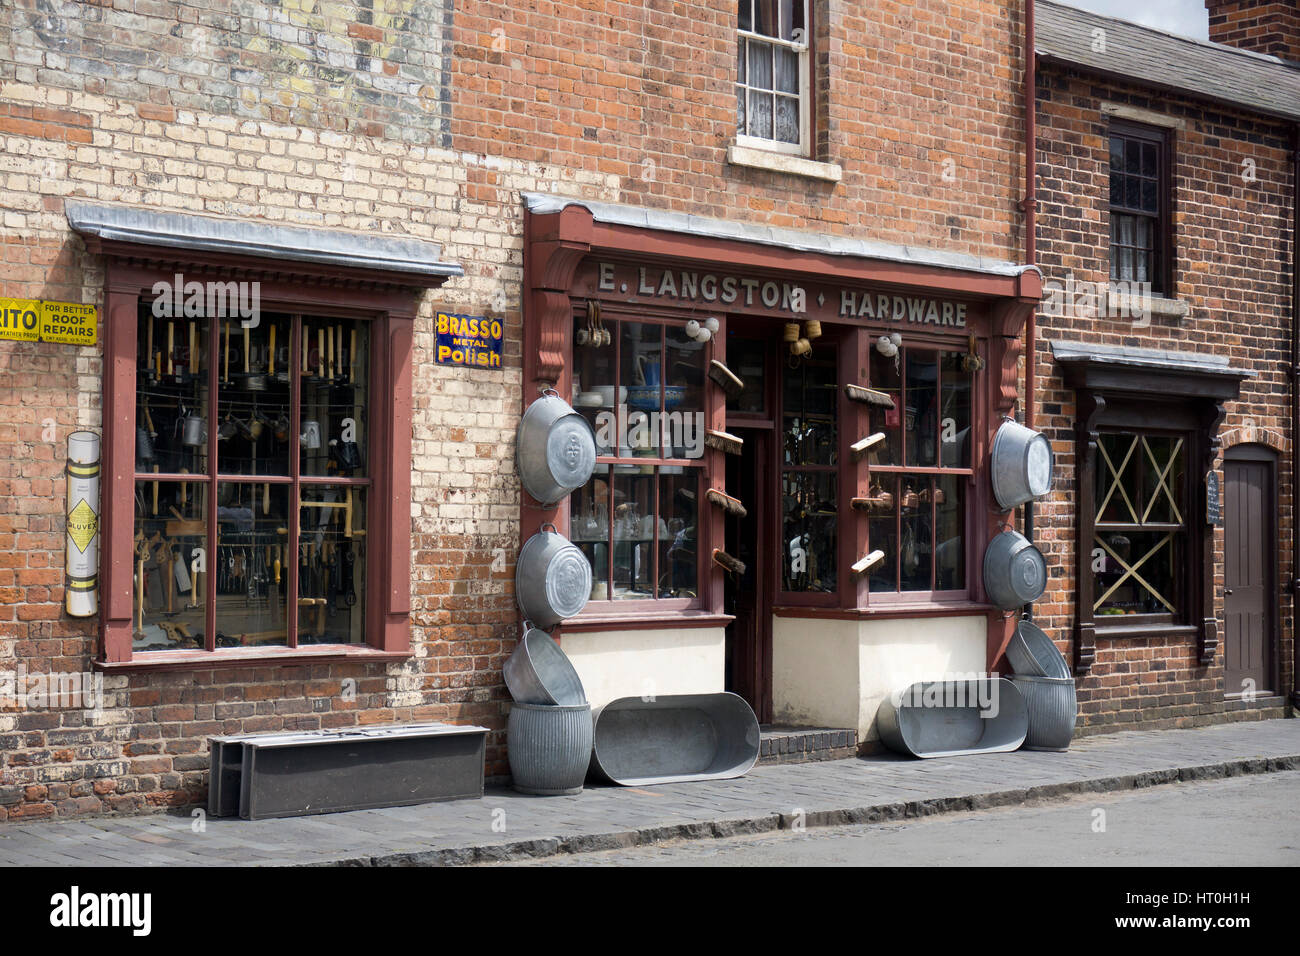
{"points": [[1295, 404], [1031, 244]]}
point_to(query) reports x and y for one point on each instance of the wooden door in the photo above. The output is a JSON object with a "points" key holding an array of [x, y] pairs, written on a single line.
{"points": [[747, 597], [1249, 595]]}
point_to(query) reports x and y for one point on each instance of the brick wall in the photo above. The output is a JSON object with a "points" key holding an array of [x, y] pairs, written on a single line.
{"points": [[399, 117], [1232, 267], [1264, 26]]}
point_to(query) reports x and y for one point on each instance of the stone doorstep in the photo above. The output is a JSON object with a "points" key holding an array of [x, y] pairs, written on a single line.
{"points": [[784, 744]]}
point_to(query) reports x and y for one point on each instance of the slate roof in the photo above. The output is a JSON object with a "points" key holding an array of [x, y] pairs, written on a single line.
{"points": [[1148, 57]]}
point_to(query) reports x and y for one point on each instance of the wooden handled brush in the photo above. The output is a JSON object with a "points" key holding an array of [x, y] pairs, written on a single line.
{"points": [[727, 562], [730, 382], [868, 396], [730, 505], [861, 447], [723, 441], [867, 563]]}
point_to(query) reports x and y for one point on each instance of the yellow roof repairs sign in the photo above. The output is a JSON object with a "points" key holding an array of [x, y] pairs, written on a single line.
{"points": [[31, 320], [68, 322]]}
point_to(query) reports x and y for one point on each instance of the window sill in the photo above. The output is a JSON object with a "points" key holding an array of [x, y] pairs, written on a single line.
{"points": [[783, 163], [1189, 631], [247, 657], [886, 611], [1125, 304], [604, 621]]}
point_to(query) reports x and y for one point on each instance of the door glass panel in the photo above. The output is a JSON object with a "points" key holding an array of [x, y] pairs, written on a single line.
{"points": [[954, 413], [950, 548], [921, 416]]}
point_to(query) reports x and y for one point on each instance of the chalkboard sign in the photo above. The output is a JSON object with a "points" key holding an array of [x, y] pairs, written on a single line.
{"points": [[1213, 506]]}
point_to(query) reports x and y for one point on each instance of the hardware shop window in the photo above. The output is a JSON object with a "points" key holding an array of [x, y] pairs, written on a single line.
{"points": [[251, 482], [920, 472], [1140, 529], [641, 386], [1139, 206], [773, 80]]}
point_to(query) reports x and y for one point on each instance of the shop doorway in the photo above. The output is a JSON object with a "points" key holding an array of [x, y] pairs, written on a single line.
{"points": [[751, 479], [1249, 578], [748, 597]]}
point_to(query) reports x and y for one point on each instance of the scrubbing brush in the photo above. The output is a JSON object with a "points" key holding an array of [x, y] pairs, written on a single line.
{"points": [[730, 382], [724, 441], [730, 505]]}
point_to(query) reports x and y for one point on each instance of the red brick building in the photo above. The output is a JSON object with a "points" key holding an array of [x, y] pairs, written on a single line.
{"points": [[1167, 168], [558, 169]]}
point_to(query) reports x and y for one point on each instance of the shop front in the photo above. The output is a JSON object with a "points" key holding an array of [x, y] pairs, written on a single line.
{"points": [[791, 497]]}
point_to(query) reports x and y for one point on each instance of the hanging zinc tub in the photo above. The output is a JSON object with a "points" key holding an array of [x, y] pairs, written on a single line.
{"points": [[672, 739], [548, 747], [538, 672], [1020, 464], [552, 578], [1032, 653], [954, 718], [555, 449], [1015, 573], [1053, 709]]}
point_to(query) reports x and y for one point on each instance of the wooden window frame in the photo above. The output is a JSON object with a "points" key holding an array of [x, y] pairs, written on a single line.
{"points": [[807, 93], [614, 318], [293, 287], [1162, 274], [1185, 615]]}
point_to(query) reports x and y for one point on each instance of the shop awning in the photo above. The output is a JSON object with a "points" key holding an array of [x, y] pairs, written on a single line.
{"points": [[798, 240], [412, 258]]}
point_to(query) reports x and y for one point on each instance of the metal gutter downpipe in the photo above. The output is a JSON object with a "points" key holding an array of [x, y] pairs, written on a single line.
{"points": [[1295, 405], [1031, 243]]}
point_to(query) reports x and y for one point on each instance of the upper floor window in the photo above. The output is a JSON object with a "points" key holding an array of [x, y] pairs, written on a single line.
{"points": [[773, 80], [1139, 206]]}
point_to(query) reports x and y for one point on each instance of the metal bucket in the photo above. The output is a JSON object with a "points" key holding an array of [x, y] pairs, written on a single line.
{"points": [[552, 578], [538, 672], [548, 747], [1053, 709], [1020, 465], [954, 718], [555, 449], [1014, 571], [682, 737], [1032, 653]]}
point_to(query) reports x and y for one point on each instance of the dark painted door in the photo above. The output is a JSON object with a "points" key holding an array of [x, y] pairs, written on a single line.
{"points": [[1248, 578], [749, 636]]}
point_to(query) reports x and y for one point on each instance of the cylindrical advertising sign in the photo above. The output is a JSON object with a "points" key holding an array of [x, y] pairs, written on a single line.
{"points": [[83, 524]]}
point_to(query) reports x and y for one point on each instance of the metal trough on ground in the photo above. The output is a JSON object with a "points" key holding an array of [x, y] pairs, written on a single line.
{"points": [[673, 739], [954, 718]]}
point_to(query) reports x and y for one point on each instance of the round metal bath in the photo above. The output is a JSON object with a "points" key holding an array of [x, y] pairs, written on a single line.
{"points": [[954, 718], [1015, 572], [552, 579], [1053, 709], [673, 739], [548, 748], [1031, 652], [538, 672], [1020, 465], [555, 449]]}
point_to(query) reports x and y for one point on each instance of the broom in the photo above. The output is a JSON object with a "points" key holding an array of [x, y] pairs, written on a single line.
{"points": [[868, 396], [724, 560], [723, 441], [725, 377], [730, 505]]}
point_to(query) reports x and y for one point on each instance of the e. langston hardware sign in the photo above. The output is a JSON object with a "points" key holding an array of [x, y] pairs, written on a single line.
{"points": [[703, 289]]}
